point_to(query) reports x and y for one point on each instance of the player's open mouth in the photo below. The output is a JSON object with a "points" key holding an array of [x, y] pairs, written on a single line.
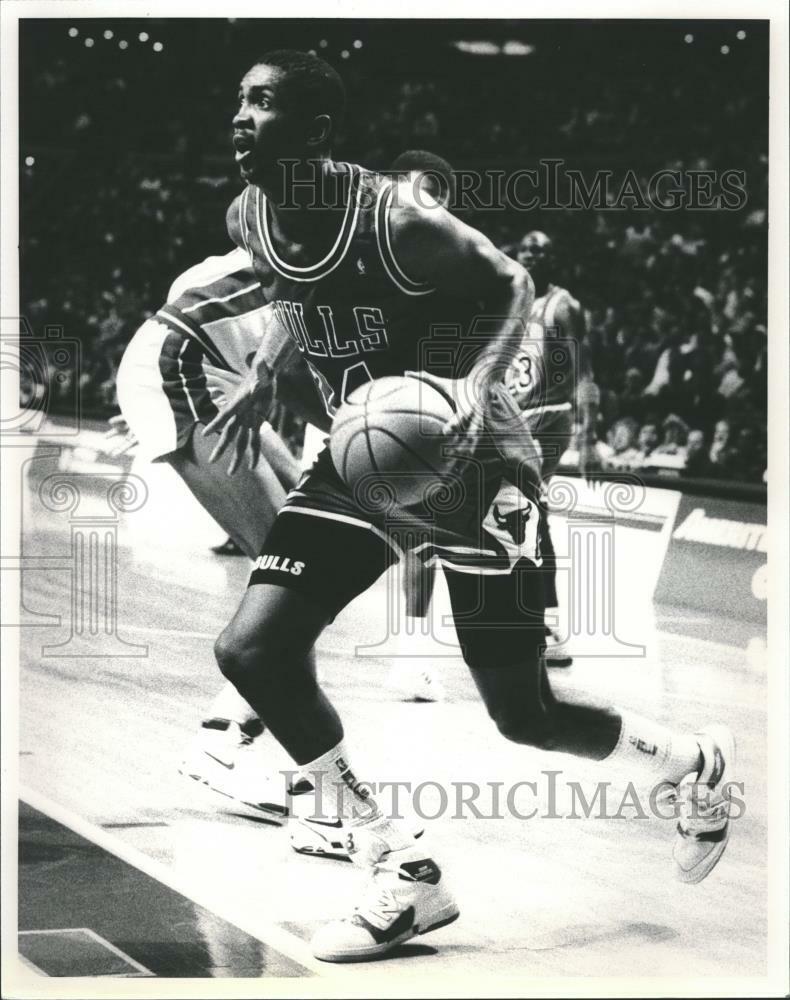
{"points": [[243, 146]]}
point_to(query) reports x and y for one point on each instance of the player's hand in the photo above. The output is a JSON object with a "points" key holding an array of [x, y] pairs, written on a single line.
{"points": [[119, 437], [239, 422]]}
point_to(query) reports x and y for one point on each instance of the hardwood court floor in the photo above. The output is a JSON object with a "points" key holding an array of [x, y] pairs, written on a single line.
{"points": [[100, 739]]}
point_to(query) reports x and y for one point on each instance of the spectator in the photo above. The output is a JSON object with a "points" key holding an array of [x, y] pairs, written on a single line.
{"points": [[697, 461], [621, 452], [647, 442], [675, 431], [719, 454]]}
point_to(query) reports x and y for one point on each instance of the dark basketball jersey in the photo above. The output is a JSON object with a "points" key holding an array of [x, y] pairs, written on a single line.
{"points": [[355, 315]]}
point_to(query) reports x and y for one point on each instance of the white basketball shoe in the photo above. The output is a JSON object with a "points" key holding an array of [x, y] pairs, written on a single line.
{"points": [[412, 679], [405, 895], [223, 758], [704, 825], [328, 838]]}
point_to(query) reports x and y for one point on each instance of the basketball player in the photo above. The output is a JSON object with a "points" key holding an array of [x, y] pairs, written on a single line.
{"points": [[549, 377], [210, 328], [358, 281]]}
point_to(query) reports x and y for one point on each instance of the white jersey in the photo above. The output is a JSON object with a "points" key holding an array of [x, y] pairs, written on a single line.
{"points": [[211, 325], [543, 373], [219, 303]]}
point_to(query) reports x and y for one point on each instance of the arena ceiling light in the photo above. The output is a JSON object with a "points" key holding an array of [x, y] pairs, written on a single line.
{"points": [[478, 48], [513, 47]]}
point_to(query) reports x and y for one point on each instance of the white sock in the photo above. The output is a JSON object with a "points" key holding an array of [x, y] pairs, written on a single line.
{"points": [[229, 704], [662, 753], [340, 793]]}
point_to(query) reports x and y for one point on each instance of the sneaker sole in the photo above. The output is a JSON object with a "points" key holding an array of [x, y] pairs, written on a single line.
{"points": [[448, 915], [267, 810]]}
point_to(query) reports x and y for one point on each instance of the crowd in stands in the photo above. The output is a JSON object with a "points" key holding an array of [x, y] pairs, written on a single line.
{"points": [[675, 301]]}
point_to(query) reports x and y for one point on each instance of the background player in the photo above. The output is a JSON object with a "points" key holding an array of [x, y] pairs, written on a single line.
{"points": [[549, 378], [358, 281]]}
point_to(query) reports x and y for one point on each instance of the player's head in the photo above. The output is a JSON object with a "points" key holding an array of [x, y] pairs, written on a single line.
{"points": [[432, 173], [291, 105], [535, 253]]}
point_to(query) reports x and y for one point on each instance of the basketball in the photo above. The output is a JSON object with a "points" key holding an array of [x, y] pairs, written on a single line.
{"points": [[390, 429]]}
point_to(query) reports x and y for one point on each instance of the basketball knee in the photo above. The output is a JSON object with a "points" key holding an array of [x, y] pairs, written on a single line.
{"points": [[266, 657], [236, 658], [533, 727]]}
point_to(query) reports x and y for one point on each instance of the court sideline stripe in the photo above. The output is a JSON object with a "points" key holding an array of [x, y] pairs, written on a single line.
{"points": [[268, 933]]}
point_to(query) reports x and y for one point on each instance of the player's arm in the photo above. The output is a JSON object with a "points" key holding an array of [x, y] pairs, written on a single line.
{"points": [[238, 423], [296, 388], [434, 247]]}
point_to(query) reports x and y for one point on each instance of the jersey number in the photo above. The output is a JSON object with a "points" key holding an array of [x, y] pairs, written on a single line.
{"points": [[353, 377]]}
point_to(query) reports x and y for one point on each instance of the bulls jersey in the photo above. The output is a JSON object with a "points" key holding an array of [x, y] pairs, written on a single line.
{"points": [[544, 371], [218, 304], [355, 314]]}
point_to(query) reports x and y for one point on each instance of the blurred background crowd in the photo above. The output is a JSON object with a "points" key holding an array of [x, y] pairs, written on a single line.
{"points": [[126, 171]]}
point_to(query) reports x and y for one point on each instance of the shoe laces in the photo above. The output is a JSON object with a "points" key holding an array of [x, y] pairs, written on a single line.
{"points": [[701, 807], [379, 904]]}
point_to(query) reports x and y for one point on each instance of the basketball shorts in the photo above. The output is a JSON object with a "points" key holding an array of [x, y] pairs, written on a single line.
{"points": [[162, 389], [330, 546]]}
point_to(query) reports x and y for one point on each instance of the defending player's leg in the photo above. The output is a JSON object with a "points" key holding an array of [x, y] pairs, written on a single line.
{"points": [[222, 755], [245, 507], [556, 652], [511, 678], [413, 675], [553, 432]]}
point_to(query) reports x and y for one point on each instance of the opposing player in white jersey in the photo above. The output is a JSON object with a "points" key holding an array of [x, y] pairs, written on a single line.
{"points": [[207, 332]]}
